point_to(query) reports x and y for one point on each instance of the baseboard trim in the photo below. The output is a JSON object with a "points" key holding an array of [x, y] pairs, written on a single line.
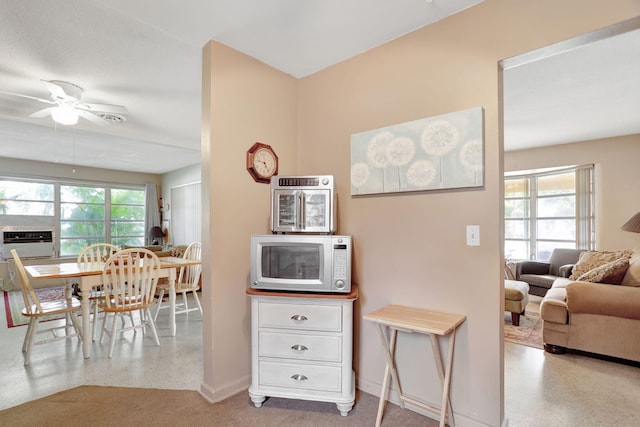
{"points": [[460, 419], [214, 395]]}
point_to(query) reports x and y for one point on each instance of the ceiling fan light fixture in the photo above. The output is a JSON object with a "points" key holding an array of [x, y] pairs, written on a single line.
{"points": [[64, 115]]}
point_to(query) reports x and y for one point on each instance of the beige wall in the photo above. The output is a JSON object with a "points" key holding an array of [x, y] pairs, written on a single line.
{"points": [[46, 170], [244, 101], [409, 248], [616, 166]]}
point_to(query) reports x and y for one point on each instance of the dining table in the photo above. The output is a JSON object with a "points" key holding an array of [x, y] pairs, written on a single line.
{"points": [[89, 275]]}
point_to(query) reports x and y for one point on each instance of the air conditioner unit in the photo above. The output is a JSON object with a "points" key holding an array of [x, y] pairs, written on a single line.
{"points": [[29, 244]]}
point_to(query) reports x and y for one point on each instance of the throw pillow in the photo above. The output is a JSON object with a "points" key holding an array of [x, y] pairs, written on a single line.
{"points": [[612, 272], [178, 251], [590, 260]]}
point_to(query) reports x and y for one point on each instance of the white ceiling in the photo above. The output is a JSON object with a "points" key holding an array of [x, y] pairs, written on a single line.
{"points": [[573, 91], [146, 55]]}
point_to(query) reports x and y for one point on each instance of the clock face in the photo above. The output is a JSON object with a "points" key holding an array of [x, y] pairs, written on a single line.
{"points": [[262, 162]]}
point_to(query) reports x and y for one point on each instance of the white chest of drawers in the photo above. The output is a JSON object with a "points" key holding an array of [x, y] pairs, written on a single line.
{"points": [[302, 347]]}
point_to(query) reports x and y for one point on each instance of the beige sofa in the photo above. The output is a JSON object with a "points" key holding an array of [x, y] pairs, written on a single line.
{"points": [[176, 251], [602, 318]]}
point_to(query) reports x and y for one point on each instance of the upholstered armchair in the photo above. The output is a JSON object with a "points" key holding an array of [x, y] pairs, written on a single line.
{"points": [[540, 275]]}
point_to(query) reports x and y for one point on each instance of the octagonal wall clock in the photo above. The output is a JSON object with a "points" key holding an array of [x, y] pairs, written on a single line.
{"points": [[262, 162]]}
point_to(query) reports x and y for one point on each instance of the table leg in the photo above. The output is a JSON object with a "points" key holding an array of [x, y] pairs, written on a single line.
{"points": [[172, 302], [389, 369], [383, 396], [68, 294], [445, 377], [85, 286]]}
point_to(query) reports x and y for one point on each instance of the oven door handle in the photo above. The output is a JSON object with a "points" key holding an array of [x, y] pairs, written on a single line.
{"points": [[300, 212]]}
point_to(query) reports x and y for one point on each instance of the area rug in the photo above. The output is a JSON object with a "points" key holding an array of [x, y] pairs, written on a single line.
{"points": [[529, 332], [13, 304], [110, 406]]}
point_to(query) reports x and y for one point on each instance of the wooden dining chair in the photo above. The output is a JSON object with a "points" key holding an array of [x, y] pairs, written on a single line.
{"points": [[129, 279], [188, 281], [35, 310], [94, 254]]}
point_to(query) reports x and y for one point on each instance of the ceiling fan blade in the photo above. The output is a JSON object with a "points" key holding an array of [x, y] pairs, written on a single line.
{"points": [[43, 113], [103, 108], [46, 101], [56, 91], [92, 117]]}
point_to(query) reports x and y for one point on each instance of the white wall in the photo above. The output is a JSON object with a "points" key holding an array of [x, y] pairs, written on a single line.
{"points": [[179, 177]]}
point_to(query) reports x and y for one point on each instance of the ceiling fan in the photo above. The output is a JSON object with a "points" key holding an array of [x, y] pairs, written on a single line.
{"points": [[67, 107]]}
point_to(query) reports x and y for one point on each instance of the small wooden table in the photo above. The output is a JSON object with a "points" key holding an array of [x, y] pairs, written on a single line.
{"points": [[433, 323]]}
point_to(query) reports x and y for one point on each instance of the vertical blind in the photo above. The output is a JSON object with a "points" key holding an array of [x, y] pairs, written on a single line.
{"points": [[185, 214]]}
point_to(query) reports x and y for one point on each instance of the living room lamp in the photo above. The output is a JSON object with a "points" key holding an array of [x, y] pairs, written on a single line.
{"points": [[633, 225], [155, 233]]}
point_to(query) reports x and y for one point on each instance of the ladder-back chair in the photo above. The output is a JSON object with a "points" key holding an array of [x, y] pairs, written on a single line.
{"points": [[96, 254], [35, 310], [129, 279], [188, 281]]}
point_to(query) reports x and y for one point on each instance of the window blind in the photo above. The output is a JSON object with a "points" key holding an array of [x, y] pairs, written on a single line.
{"points": [[185, 214]]}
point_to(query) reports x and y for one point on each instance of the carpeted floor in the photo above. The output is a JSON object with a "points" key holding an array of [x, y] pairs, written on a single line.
{"points": [[14, 303], [529, 332], [109, 406]]}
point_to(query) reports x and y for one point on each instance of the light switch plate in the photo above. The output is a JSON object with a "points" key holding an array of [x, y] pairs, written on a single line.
{"points": [[473, 235]]}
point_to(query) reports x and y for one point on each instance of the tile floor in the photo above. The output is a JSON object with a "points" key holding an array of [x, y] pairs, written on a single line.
{"points": [[541, 389], [175, 364]]}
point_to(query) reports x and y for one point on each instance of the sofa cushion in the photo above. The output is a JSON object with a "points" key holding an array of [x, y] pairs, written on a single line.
{"points": [[562, 282], [152, 248], [593, 259], [541, 280], [603, 299], [612, 272], [632, 277]]}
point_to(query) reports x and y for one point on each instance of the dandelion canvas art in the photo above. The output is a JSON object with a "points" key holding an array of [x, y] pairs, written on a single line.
{"points": [[440, 152]]}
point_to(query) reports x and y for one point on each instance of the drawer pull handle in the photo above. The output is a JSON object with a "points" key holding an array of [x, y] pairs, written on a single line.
{"points": [[298, 317], [299, 347], [299, 377]]}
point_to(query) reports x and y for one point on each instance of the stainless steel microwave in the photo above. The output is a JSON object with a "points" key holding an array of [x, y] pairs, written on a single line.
{"points": [[301, 262], [303, 204]]}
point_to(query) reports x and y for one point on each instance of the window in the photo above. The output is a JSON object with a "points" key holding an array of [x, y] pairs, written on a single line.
{"points": [[85, 214], [26, 198], [547, 210], [82, 218], [89, 214], [127, 217]]}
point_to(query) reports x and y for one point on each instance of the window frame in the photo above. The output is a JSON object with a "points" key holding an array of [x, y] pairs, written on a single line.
{"points": [[584, 209], [51, 202], [58, 205]]}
